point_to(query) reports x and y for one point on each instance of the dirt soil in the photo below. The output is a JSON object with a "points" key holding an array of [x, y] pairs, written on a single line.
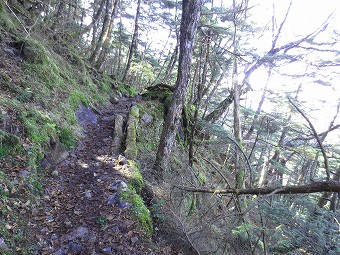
{"points": [[75, 216]]}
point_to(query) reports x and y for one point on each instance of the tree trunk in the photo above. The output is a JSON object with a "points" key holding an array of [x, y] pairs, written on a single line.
{"points": [[190, 17], [133, 45], [106, 43], [105, 30]]}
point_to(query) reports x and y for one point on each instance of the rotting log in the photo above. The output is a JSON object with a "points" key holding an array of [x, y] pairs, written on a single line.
{"points": [[131, 133], [326, 186], [118, 135]]}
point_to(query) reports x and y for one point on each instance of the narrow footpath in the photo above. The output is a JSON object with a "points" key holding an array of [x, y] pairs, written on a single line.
{"points": [[77, 215]]}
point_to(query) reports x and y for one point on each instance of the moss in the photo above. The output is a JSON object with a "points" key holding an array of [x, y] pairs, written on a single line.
{"points": [[127, 90], [8, 143], [139, 210], [6, 22], [40, 128], [34, 52], [136, 179], [66, 137], [76, 97]]}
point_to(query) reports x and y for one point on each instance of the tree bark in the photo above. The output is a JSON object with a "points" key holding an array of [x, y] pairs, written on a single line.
{"points": [[191, 11], [105, 30], [133, 45], [106, 43]]}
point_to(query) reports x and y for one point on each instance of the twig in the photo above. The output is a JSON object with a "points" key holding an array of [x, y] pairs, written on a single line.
{"points": [[316, 137]]}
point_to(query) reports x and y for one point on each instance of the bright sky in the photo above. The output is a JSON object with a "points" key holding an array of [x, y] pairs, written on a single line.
{"points": [[305, 17]]}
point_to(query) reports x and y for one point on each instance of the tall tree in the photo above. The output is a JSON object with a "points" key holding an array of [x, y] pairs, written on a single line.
{"points": [[133, 45], [191, 10]]}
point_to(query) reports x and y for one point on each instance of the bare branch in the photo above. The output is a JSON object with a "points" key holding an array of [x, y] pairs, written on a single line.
{"points": [[316, 137], [315, 187]]}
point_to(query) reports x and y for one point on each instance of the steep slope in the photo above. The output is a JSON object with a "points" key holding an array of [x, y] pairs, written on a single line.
{"points": [[57, 172]]}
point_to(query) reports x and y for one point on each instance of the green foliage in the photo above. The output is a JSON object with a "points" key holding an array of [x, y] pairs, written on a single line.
{"points": [[34, 52], [305, 227], [136, 179], [40, 128], [139, 210], [76, 97], [144, 71], [8, 143], [66, 137], [127, 90], [6, 22]]}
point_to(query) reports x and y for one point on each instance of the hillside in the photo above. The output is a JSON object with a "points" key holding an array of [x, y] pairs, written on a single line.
{"points": [[117, 140]]}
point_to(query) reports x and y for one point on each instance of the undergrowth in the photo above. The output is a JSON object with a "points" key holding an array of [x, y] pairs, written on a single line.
{"points": [[38, 102]]}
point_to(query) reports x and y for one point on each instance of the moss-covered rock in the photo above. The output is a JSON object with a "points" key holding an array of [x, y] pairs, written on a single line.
{"points": [[136, 179], [34, 52], [139, 210], [131, 133]]}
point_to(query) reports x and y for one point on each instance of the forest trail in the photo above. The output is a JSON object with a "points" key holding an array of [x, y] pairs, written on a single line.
{"points": [[77, 214]]}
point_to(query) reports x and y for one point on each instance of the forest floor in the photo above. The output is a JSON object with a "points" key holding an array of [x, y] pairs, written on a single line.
{"points": [[75, 215]]}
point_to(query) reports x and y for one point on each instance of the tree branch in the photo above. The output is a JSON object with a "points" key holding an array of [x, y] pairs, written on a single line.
{"points": [[316, 137], [327, 186]]}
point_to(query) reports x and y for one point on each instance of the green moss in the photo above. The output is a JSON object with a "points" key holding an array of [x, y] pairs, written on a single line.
{"points": [[34, 52], [139, 210], [136, 179], [40, 128], [6, 22], [76, 97], [8, 144], [127, 90], [66, 137]]}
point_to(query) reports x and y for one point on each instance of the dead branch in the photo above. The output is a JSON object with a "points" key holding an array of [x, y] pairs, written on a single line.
{"points": [[316, 137], [327, 186]]}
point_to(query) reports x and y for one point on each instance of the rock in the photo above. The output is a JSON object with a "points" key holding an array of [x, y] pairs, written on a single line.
{"points": [[60, 252], [108, 118], [116, 229], [85, 115], [91, 237], [14, 182], [113, 199], [3, 245], [106, 140], [55, 173], [74, 248], [88, 194], [134, 239], [122, 160], [146, 118], [124, 204], [54, 155], [24, 173], [119, 186], [107, 249], [118, 135], [78, 233], [114, 100]]}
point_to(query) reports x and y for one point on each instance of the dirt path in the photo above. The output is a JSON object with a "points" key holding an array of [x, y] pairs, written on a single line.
{"points": [[75, 216]]}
